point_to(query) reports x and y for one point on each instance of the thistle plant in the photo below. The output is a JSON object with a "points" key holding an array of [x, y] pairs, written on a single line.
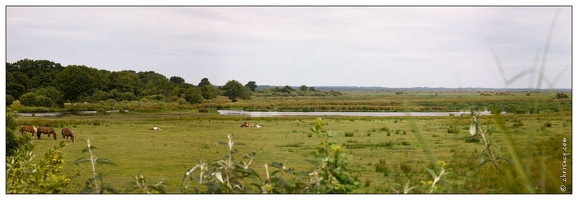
{"points": [[225, 175], [475, 130], [144, 185], [95, 184]]}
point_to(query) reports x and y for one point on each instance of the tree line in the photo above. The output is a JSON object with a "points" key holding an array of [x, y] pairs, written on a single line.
{"points": [[45, 83]]}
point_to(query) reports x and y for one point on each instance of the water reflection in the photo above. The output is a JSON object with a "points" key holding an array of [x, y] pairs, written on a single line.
{"points": [[364, 114]]}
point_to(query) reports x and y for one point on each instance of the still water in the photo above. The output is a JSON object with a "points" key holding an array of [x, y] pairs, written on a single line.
{"points": [[365, 114], [59, 114]]}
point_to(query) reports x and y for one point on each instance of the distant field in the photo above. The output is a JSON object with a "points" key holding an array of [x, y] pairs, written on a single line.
{"points": [[188, 136]]}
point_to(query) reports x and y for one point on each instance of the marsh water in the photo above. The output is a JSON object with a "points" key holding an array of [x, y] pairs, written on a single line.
{"points": [[363, 114], [59, 114], [273, 114]]}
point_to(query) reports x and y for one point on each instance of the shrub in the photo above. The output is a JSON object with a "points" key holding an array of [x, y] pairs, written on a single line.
{"points": [[9, 99], [561, 95], [28, 99], [181, 101], [24, 177]]}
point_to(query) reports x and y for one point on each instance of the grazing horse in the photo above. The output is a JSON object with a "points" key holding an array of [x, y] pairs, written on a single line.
{"points": [[245, 124], [30, 129], [155, 128], [46, 130], [67, 132]]}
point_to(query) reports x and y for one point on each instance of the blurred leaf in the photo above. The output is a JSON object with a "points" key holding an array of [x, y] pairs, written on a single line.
{"points": [[472, 129], [89, 148], [219, 176], [81, 160], [104, 161]]}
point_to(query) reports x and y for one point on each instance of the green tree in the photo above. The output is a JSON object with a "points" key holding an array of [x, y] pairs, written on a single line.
{"points": [[40, 73], [15, 89], [177, 80], [41, 100], [312, 89], [251, 85], [209, 92], [51, 93], [28, 99], [204, 81], [287, 89], [177, 91], [9, 99], [193, 95], [233, 90], [126, 81], [19, 78], [74, 83], [245, 93], [155, 83], [303, 88]]}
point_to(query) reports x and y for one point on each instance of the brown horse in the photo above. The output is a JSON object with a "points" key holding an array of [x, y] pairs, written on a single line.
{"points": [[67, 132], [30, 129], [46, 130]]}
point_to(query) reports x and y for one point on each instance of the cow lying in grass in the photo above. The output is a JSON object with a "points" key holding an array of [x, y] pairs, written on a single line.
{"points": [[155, 128], [30, 129], [245, 124], [66, 132], [46, 130]]}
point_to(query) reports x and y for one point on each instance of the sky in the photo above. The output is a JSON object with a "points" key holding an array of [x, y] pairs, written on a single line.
{"points": [[387, 46]]}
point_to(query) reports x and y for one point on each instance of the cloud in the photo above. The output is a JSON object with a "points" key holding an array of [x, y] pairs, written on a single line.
{"points": [[371, 46]]}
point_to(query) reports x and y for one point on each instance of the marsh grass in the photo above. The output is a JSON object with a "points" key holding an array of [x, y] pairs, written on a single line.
{"points": [[187, 136]]}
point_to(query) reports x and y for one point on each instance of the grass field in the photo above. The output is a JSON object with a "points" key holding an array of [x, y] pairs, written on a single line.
{"points": [[386, 150]]}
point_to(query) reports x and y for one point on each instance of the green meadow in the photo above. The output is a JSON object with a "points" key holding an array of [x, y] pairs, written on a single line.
{"points": [[387, 152]]}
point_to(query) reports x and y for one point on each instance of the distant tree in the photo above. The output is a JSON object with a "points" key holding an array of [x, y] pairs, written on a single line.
{"points": [[312, 89], [41, 100], [40, 73], [97, 78], [561, 95], [19, 78], [194, 95], [15, 89], [9, 100], [233, 90], [53, 94], [154, 83], [126, 81], [209, 92], [74, 83], [204, 81], [303, 88], [177, 80], [28, 99], [251, 85], [287, 89], [245, 93], [177, 91]]}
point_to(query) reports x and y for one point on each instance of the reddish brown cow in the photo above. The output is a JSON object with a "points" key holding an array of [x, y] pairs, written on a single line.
{"points": [[67, 132], [46, 130], [245, 124], [30, 129]]}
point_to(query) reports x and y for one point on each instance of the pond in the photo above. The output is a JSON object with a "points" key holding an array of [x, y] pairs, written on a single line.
{"points": [[364, 114], [60, 114]]}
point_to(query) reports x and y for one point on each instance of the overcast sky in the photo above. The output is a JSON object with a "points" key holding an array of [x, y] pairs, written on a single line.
{"points": [[315, 46]]}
